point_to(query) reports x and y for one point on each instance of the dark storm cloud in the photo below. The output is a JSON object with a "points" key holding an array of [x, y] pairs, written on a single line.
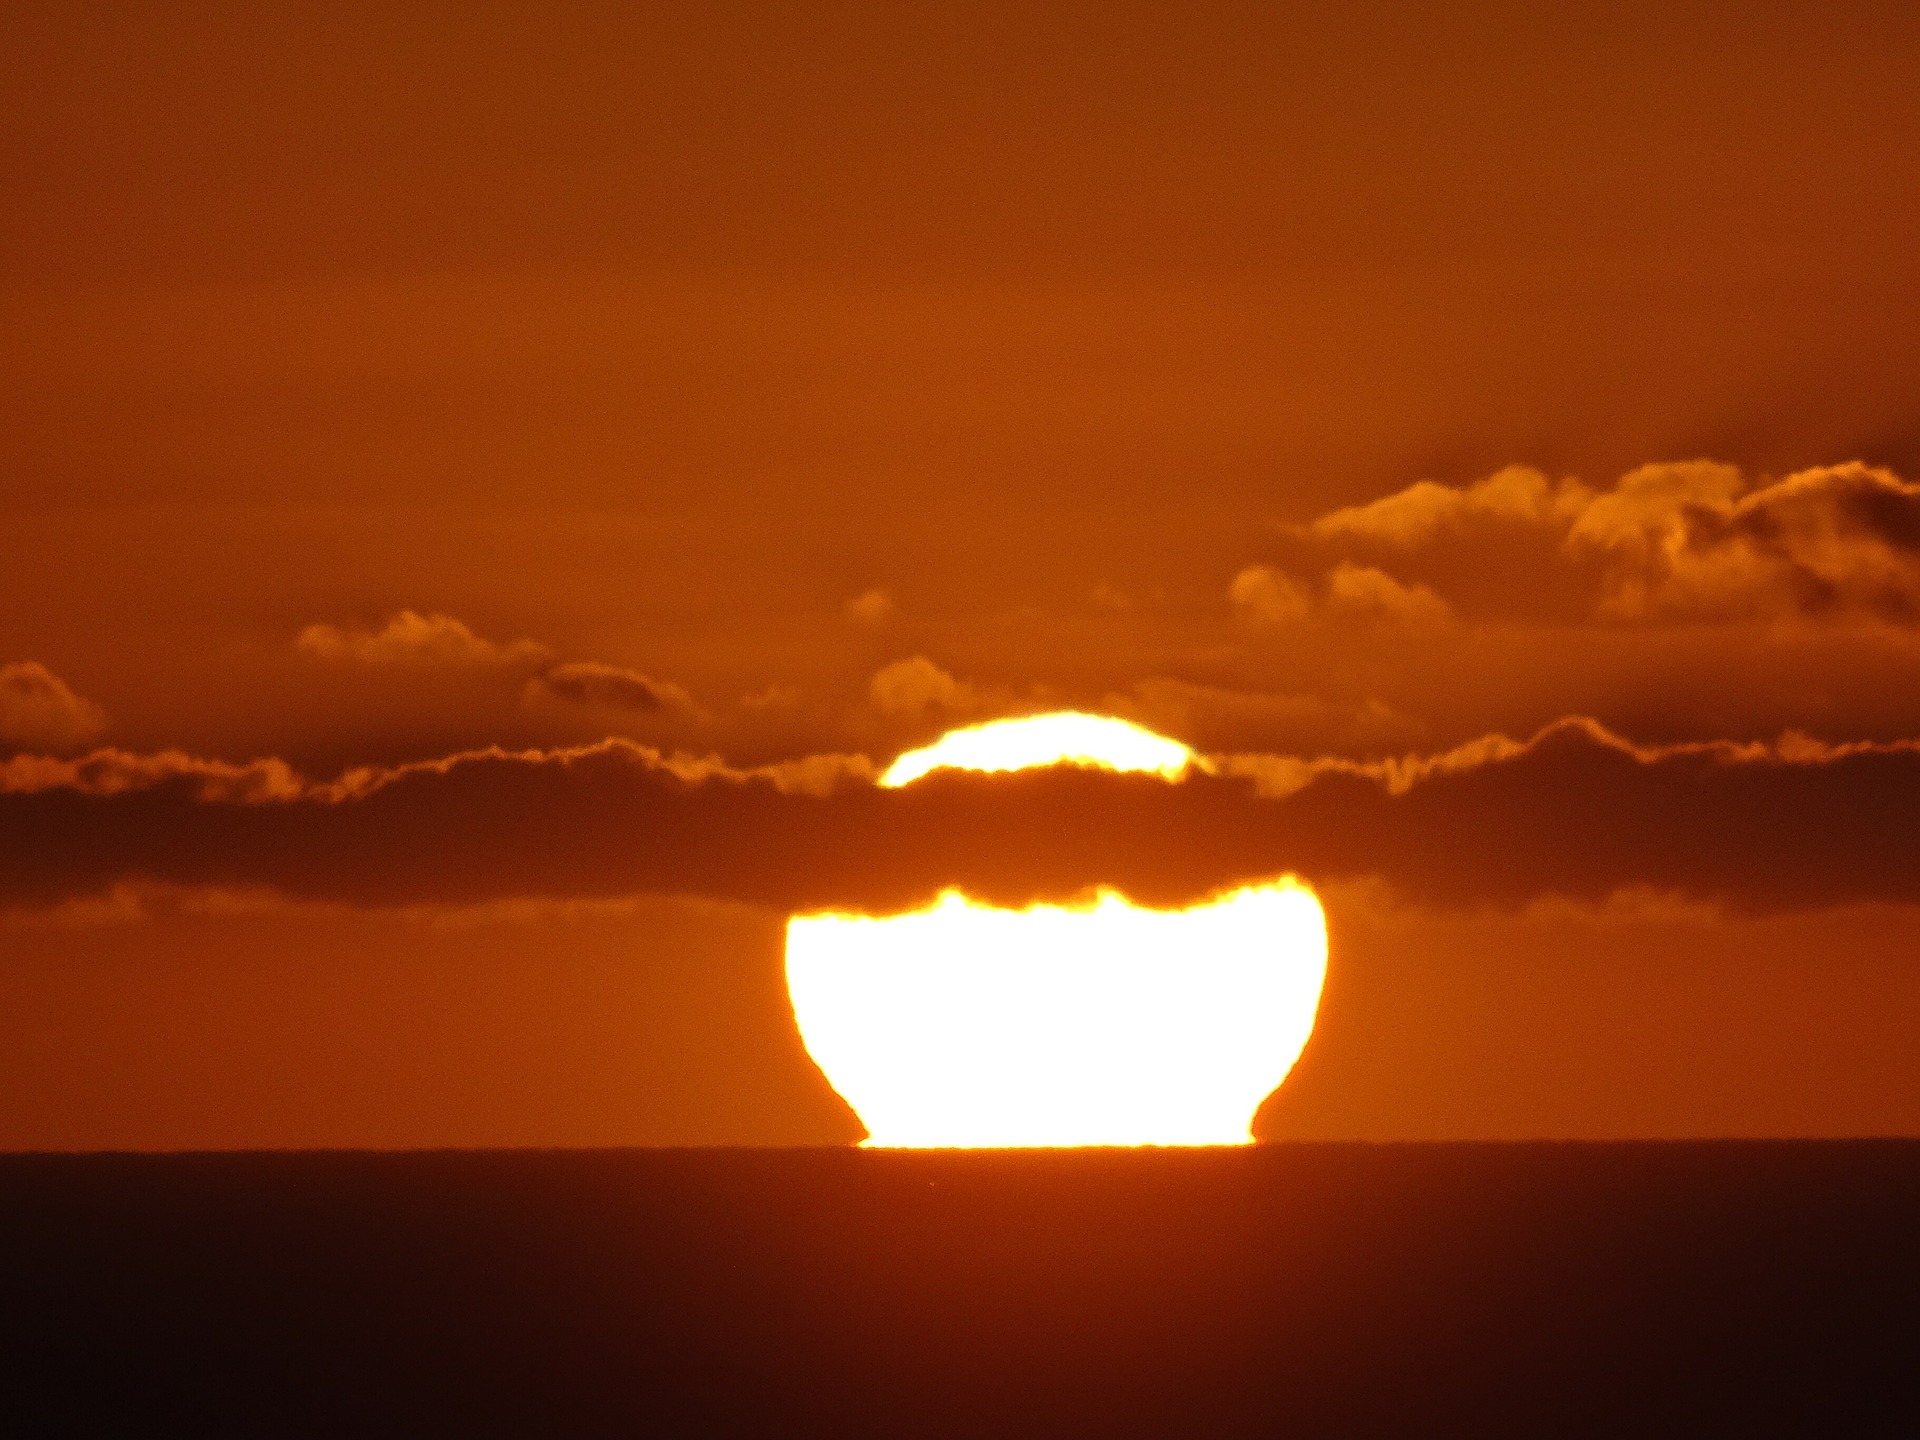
{"points": [[1574, 812]]}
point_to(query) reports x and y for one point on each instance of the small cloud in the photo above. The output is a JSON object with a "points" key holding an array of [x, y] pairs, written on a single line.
{"points": [[908, 687], [875, 607], [1270, 597], [1110, 598], [410, 638], [38, 709], [592, 685], [1267, 596], [1364, 590]]}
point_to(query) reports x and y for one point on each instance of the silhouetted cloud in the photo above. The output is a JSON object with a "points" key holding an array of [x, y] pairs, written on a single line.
{"points": [[38, 709], [1574, 812], [590, 684]]}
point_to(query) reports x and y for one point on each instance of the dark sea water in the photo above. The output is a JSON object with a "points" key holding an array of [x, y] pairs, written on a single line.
{"points": [[1550, 1289]]}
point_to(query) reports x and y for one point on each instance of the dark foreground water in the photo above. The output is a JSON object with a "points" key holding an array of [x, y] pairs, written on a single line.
{"points": [[1724, 1288]]}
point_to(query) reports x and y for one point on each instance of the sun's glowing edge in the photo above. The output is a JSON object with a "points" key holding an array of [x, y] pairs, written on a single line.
{"points": [[1062, 737], [965, 1025]]}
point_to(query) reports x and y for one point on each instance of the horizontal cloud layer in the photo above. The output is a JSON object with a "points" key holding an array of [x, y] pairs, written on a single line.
{"points": [[1573, 812]]}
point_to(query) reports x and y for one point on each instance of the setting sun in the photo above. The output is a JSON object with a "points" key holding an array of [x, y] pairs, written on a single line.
{"points": [[1102, 1023], [967, 1025]]}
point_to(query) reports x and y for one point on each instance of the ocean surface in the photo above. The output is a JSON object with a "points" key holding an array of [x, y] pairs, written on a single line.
{"points": [[1544, 1289]]}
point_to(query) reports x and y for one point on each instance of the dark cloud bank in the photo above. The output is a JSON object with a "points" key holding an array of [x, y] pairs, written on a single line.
{"points": [[1575, 812]]}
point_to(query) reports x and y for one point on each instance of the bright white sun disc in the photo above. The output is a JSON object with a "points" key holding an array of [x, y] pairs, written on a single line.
{"points": [[1099, 1024], [1107, 1024]]}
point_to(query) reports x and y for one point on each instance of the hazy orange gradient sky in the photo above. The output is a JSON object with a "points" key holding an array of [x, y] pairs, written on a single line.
{"points": [[485, 490]]}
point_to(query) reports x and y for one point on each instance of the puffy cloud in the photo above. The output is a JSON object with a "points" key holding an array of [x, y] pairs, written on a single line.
{"points": [[910, 687], [413, 639], [872, 608], [1649, 507], [590, 684], [1366, 591], [1574, 812], [1270, 597], [1693, 540], [1414, 515], [37, 708], [1267, 596]]}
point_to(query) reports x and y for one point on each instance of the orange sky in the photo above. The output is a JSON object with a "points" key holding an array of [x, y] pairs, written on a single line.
{"points": [[768, 385]]}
